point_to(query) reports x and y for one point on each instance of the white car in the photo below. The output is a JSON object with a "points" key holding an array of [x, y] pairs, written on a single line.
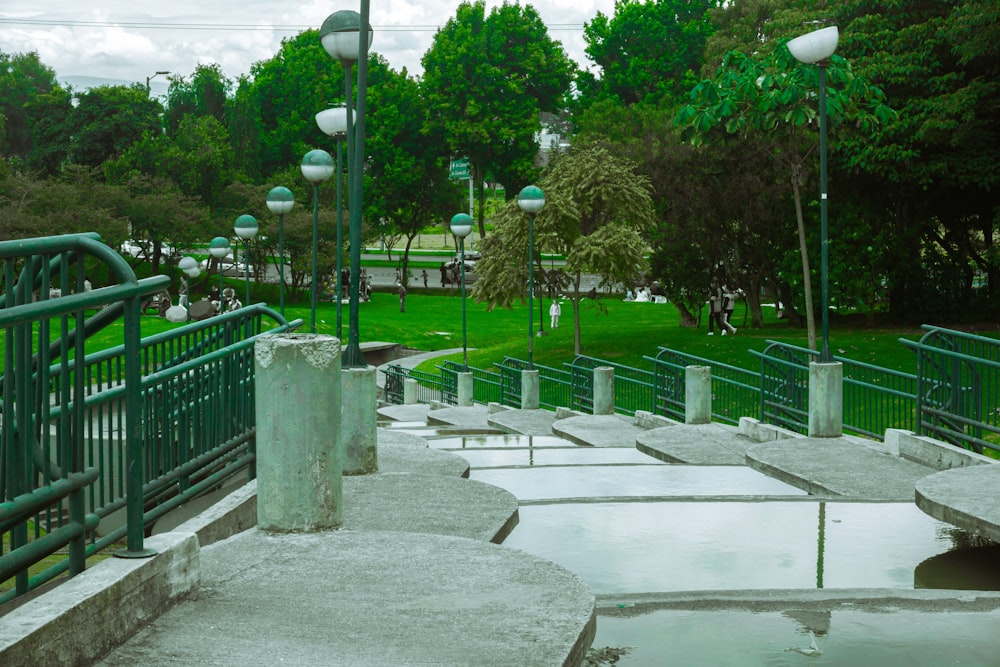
{"points": [[144, 248]]}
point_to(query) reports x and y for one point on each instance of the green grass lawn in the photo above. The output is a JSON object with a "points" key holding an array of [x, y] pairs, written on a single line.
{"points": [[613, 330]]}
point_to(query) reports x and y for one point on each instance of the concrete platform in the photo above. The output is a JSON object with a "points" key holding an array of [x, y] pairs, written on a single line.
{"points": [[696, 444], [415, 412], [598, 430], [523, 422], [964, 497], [838, 467], [475, 417], [370, 598]]}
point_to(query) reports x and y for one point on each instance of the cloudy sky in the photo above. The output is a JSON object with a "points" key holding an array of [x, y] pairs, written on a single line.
{"points": [[115, 39]]}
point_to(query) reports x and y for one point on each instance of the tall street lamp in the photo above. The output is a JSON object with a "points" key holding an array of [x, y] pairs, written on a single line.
{"points": [[280, 201], [153, 76], [317, 167], [531, 200], [815, 48], [189, 265], [342, 36], [218, 248], [461, 226], [246, 228], [333, 121]]}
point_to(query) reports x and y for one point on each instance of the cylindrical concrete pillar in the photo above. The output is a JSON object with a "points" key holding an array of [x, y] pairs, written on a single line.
{"points": [[826, 400], [697, 394], [465, 390], [529, 390], [409, 391], [604, 390], [358, 431], [298, 466]]}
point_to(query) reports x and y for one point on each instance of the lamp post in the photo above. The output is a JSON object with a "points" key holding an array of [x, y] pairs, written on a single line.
{"points": [[280, 200], [189, 265], [815, 48], [246, 228], [333, 121], [317, 167], [531, 200], [342, 37], [219, 248], [153, 76], [461, 226]]}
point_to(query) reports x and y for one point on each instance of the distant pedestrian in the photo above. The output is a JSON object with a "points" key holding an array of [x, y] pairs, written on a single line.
{"points": [[728, 306], [402, 298], [444, 275], [554, 312], [714, 310], [423, 274]]}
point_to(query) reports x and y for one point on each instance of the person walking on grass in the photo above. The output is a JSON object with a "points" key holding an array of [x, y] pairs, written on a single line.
{"points": [[555, 310]]}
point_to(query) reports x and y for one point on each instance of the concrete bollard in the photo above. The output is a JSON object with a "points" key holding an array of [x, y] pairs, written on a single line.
{"points": [[409, 391], [298, 465], [697, 394], [826, 400], [529, 390], [358, 430], [465, 390], [604, 390]]}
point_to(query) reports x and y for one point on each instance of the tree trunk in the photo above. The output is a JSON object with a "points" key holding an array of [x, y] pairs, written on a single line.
{"points": [[752, 301], [804, 251], [687, 318]]}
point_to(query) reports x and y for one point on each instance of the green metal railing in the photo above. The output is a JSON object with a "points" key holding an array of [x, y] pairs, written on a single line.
{"points": [[555, 386], [487, 386], [875, 398], [634, 387], [735, 391], [144, 426], [958, 391]]}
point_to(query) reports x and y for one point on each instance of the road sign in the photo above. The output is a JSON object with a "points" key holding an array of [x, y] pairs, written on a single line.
{"points": [[459, 169]]}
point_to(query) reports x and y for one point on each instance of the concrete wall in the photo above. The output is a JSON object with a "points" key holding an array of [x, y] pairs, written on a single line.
{"points": [[930, 452]]}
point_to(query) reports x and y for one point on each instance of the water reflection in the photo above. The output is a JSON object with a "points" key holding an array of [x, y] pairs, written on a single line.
{"points": [[677, 546], [856, 638]]}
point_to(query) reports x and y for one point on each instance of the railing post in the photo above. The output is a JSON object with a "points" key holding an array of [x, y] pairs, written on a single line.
{"points": [[529, 389], [465, 389], [697, 394], [358, 432], [298, 398], [604, 390], [409, 391], [826, 400]]}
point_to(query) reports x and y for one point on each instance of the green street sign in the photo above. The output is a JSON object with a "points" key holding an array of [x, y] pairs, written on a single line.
{"points": [[459, 169]]}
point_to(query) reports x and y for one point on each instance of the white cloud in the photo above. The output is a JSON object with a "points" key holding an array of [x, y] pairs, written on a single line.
{"points": [[118, 48]]}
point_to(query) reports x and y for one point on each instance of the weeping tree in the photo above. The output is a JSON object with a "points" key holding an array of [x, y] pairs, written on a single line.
{"points": [[597, 209]]}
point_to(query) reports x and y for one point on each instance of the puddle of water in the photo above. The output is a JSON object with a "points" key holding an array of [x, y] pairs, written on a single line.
{"points": [[682, 546], [859, 639], [640, 480], [503, 440], [550, 456]]}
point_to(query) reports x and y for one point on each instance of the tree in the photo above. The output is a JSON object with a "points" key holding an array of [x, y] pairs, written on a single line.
{"points": [[205, 94], [108, 120], [773, 94], [406, 178], [596, 208], [488, 78], [23, 78], [648, 51]]}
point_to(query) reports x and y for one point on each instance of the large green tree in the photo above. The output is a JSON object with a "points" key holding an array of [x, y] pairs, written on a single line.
{"points": [[406, 178], [488, 78], [597, 211], [108, 120], [773, 94], [23, 78], [205, 93], [647, 51]]}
